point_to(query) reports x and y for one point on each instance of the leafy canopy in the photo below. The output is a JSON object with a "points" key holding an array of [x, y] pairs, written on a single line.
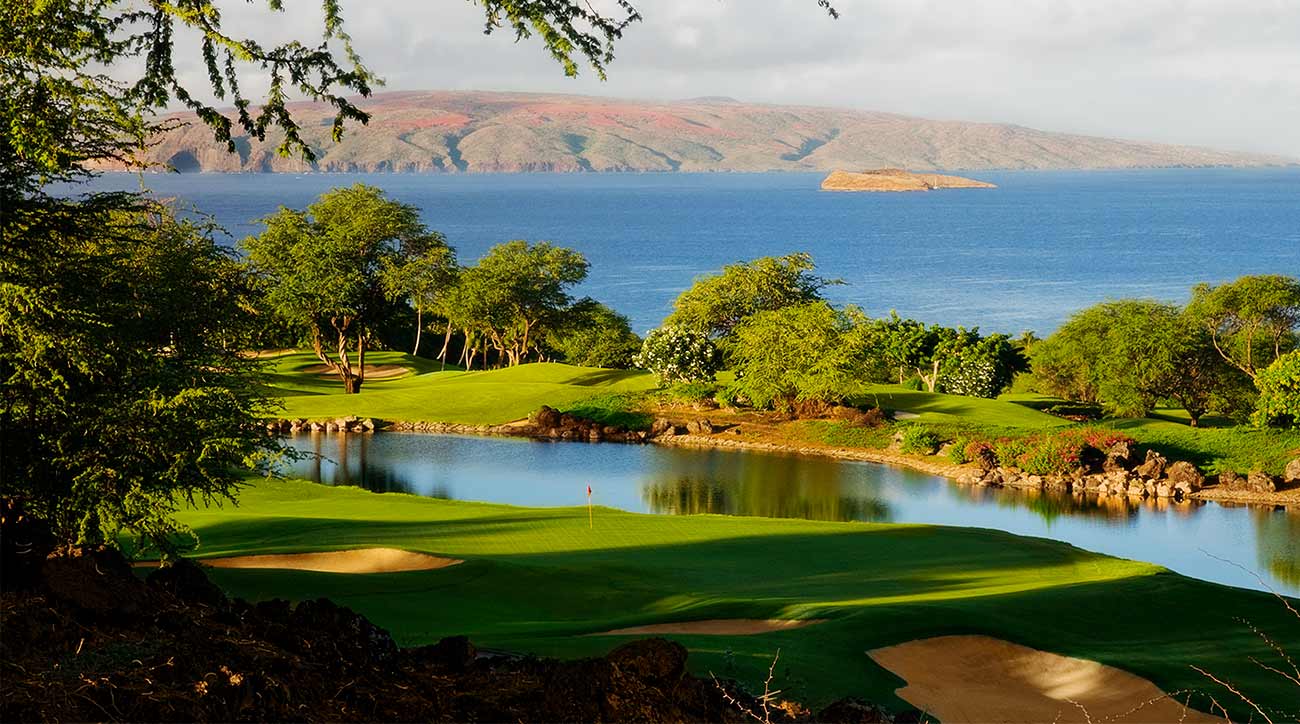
{"points": [[805, 353], [1129, 354], [715, 304], [1279, 393], [334, 268], [1251, 321], [125, 390]]}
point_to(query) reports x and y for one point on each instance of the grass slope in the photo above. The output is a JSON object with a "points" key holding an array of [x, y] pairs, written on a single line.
{"points": [[538, 579], [480, 398]]}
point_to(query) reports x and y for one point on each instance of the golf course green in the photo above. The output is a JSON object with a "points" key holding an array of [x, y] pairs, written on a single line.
{"points": [[423, 394], [540, 579]]}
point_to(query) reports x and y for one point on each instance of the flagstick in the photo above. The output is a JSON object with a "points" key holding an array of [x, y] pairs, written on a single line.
{"points": [[590, 523]]}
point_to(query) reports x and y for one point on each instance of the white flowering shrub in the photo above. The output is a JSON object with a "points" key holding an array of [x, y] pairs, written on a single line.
{"points": [[678, 355], [974, 377]]}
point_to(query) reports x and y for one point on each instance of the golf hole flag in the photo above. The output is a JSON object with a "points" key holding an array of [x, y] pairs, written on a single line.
{"points": [[589, 521]]}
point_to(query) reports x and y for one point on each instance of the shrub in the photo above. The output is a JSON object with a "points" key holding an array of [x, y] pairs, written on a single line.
{"points": [[688, 392], [957, 453], [1279, 393], [678, 355], [1055, 453], [918, 439], [914, 383], [728, 396]]}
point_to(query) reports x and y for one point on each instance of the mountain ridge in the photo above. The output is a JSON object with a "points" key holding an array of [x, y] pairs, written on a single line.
{"points": [[490, 131]]}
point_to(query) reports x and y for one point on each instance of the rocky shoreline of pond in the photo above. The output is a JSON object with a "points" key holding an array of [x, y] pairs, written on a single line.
{"points": [[1122, 473]]}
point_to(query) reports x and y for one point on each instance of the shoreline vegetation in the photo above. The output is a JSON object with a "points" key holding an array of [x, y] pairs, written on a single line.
{"points": [[623, 406]]}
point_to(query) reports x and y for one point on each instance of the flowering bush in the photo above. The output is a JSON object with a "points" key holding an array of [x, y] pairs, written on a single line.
{"points": [[678, 355], [1055, 453], [974, 378]]}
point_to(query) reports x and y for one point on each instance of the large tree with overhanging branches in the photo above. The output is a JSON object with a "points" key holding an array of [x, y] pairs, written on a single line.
{"points": [[124, 390]]}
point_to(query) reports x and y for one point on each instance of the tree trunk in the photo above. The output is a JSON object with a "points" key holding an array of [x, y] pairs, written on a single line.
{"points": [[419, 327], [361, 359], [446, 340], [350, 384]]}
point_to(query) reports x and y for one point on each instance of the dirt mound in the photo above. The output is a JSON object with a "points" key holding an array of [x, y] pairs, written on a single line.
{"points": [[714, 627], [84, 639], [361, 560], [982, 679]]}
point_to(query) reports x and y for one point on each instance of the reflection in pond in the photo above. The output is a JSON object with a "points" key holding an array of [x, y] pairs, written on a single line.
{"points": [[1186, 537]]}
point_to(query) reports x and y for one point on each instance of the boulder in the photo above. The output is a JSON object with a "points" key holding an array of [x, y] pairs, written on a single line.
{"points": [[1230, 480], [1153, 466], [662, 426], [1184, 475], [656, 659], [1261, 482], [1119, 457], [1164, 489], [699, 427], [1291, 475], [546, 417], [185, 579], [96, 580], [453, 652], [853, 711]]}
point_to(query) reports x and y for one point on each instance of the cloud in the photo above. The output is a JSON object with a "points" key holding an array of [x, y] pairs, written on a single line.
{"points": [[1218, 73]]}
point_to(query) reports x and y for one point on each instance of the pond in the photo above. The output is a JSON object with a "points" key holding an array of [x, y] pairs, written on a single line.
{"points": [[1248, 546]]}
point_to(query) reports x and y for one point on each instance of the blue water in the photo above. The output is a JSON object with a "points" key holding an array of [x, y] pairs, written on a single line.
{"points": [[1252, 547], [1023, 256]]}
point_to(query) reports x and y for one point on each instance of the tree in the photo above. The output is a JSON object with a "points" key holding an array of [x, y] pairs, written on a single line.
{"points": [[331, 268], [428, 270], [591, 334], [1128, 354], [803, 353], [715, 304], [1279, 393], [675, 354], [514, 295], [125, 390], [1251, 321]]}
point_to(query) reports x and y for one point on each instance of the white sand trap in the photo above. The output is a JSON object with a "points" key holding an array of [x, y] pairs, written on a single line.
{"points": [[373, 372], [363, 560], [983, 679], [714, 627]]}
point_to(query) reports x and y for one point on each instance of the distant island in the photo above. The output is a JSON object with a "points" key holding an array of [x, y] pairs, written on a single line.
{"points": [[897, 179], [476, 132]]}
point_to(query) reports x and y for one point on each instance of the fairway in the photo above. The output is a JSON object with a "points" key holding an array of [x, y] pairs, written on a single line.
{"points": [[489, 397], [539, 579]]}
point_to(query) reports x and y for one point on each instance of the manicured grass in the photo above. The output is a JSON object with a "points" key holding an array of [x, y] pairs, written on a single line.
{"points": [[936, 407], [538, 579], [480, 398]]}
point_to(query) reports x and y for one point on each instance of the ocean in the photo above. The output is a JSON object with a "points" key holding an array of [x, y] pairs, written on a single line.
{"points": [[1020, 257]]}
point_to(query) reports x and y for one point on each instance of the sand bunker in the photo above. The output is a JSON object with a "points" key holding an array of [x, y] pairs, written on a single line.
{"points": [[363, 560], [714, 627], [983, 679], [373, 372]]}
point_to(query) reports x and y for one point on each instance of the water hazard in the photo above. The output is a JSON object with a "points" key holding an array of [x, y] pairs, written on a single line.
{"points": [[1247, 546]]}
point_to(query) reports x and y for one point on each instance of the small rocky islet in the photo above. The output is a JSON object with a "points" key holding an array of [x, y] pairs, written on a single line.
{"points": [[897, 179]]}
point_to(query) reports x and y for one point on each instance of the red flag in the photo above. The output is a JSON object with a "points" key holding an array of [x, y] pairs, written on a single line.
{"points": [[588, 491]]}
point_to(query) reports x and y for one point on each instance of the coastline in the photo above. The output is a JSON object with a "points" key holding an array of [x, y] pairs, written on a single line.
{"points": [[730, 439]]}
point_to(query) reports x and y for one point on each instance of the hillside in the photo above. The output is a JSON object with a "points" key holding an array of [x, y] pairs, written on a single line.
{"points": [[444, 131]]}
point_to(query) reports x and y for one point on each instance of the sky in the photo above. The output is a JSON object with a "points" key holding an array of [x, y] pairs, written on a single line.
{"points": [[1217, 73]]}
